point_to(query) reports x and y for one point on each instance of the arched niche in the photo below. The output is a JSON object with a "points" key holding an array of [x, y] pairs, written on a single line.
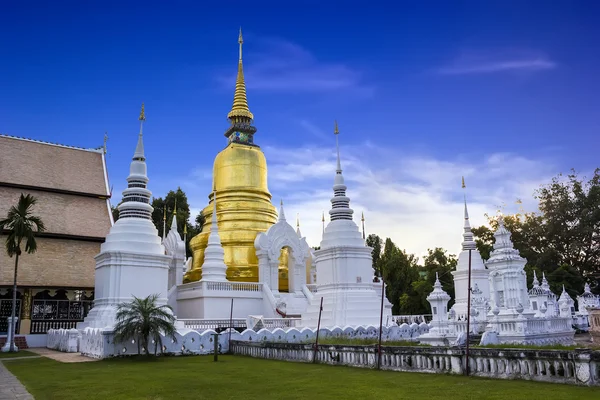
{"points": [[268, 251]]}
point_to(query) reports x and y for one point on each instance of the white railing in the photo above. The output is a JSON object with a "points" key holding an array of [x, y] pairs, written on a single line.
{"points": [[571, 367], [222, 324], [215, 324], [233, 286], [281, 322], [408, 319]]}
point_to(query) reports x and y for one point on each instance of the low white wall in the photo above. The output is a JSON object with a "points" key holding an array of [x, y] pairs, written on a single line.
{"points": [[98, 343], [65, 340], [579, 367]]}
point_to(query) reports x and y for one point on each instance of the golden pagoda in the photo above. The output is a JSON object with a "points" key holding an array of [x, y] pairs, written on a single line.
{"points": [[244, 208]]}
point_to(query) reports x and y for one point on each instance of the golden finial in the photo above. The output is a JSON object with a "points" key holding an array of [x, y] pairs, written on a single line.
{"points": [[165, 213], [142, 114], [281, 202], [297, 220], [240, 107], [336, 131], [175, 209], [241, 42], [463, 182], [185, 228], [323, 217]]}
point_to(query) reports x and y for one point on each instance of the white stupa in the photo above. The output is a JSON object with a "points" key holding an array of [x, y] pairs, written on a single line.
{"points": [[132, 260], [214, 267], [344, 269], [479, 274]]}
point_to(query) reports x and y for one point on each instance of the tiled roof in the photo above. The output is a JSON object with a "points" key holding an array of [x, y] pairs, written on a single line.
{"points": [[46, 165]]}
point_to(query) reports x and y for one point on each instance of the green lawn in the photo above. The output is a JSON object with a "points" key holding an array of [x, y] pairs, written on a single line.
{"points": [[20, 353], [242, 378]]}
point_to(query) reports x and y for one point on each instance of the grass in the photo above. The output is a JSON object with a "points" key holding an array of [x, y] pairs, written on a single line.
{"points": [[244, 378], [364, 342], [20, 353]]}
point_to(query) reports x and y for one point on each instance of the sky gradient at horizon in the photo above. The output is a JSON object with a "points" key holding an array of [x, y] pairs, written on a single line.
{"points": [[502, 92]]}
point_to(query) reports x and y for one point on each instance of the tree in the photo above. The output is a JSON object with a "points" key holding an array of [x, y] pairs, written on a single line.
{"points": [[183, 215], [563, 238], [399, 270], [143, 319], [22, 226], [437, 262], [375, 243], [115, 212]]}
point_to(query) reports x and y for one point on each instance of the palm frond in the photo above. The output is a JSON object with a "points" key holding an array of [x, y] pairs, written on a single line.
{"points": [[143, 319]]}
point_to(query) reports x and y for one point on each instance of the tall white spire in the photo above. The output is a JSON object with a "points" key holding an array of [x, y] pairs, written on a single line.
{"points": [[468, 241], [214, 267], [535, 279], [281, 212], [298, 226], [340, 204], [136, 198], [545, 285]]}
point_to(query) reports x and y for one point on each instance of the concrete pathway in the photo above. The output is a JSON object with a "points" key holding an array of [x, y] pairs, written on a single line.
{"points": [[10, 387], [60, 356]]}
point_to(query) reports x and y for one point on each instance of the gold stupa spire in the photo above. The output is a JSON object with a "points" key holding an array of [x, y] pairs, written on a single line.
{"points": [[463, 182], [240, 102], [175, 208], [142, 114]]}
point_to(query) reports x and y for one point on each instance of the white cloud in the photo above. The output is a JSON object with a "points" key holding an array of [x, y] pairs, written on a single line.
{"points": [[276, 64], [496, 62], [417, 201]]}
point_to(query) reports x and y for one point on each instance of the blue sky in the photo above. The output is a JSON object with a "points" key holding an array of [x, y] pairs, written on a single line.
{"points": [[505, 93]]}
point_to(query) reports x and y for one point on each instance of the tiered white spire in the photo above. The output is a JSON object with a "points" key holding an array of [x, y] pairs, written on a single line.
{"points": [[340, 204], [136, 198], [438, 292], [468, 241], [214, 267], [298, 227], [535, 279], [564, 296], [503, 247], [281, 213], [545, 284]]}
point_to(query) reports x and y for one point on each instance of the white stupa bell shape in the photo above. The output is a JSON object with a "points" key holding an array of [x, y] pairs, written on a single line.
{"points": [[214, 267]]}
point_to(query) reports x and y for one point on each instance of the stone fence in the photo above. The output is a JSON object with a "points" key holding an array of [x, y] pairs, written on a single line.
{"points": [[579, 367]]}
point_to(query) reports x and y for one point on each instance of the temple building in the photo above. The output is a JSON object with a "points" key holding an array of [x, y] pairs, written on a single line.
{"points": [[56, 283]]}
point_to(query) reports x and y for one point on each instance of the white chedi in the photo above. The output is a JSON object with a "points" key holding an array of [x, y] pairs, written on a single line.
{"points": [[132, 260], [344, 268], [214, 267]]}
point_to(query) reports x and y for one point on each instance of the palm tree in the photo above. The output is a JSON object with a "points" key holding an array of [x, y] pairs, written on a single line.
{"points": [[144, 319], [22, 226]]}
